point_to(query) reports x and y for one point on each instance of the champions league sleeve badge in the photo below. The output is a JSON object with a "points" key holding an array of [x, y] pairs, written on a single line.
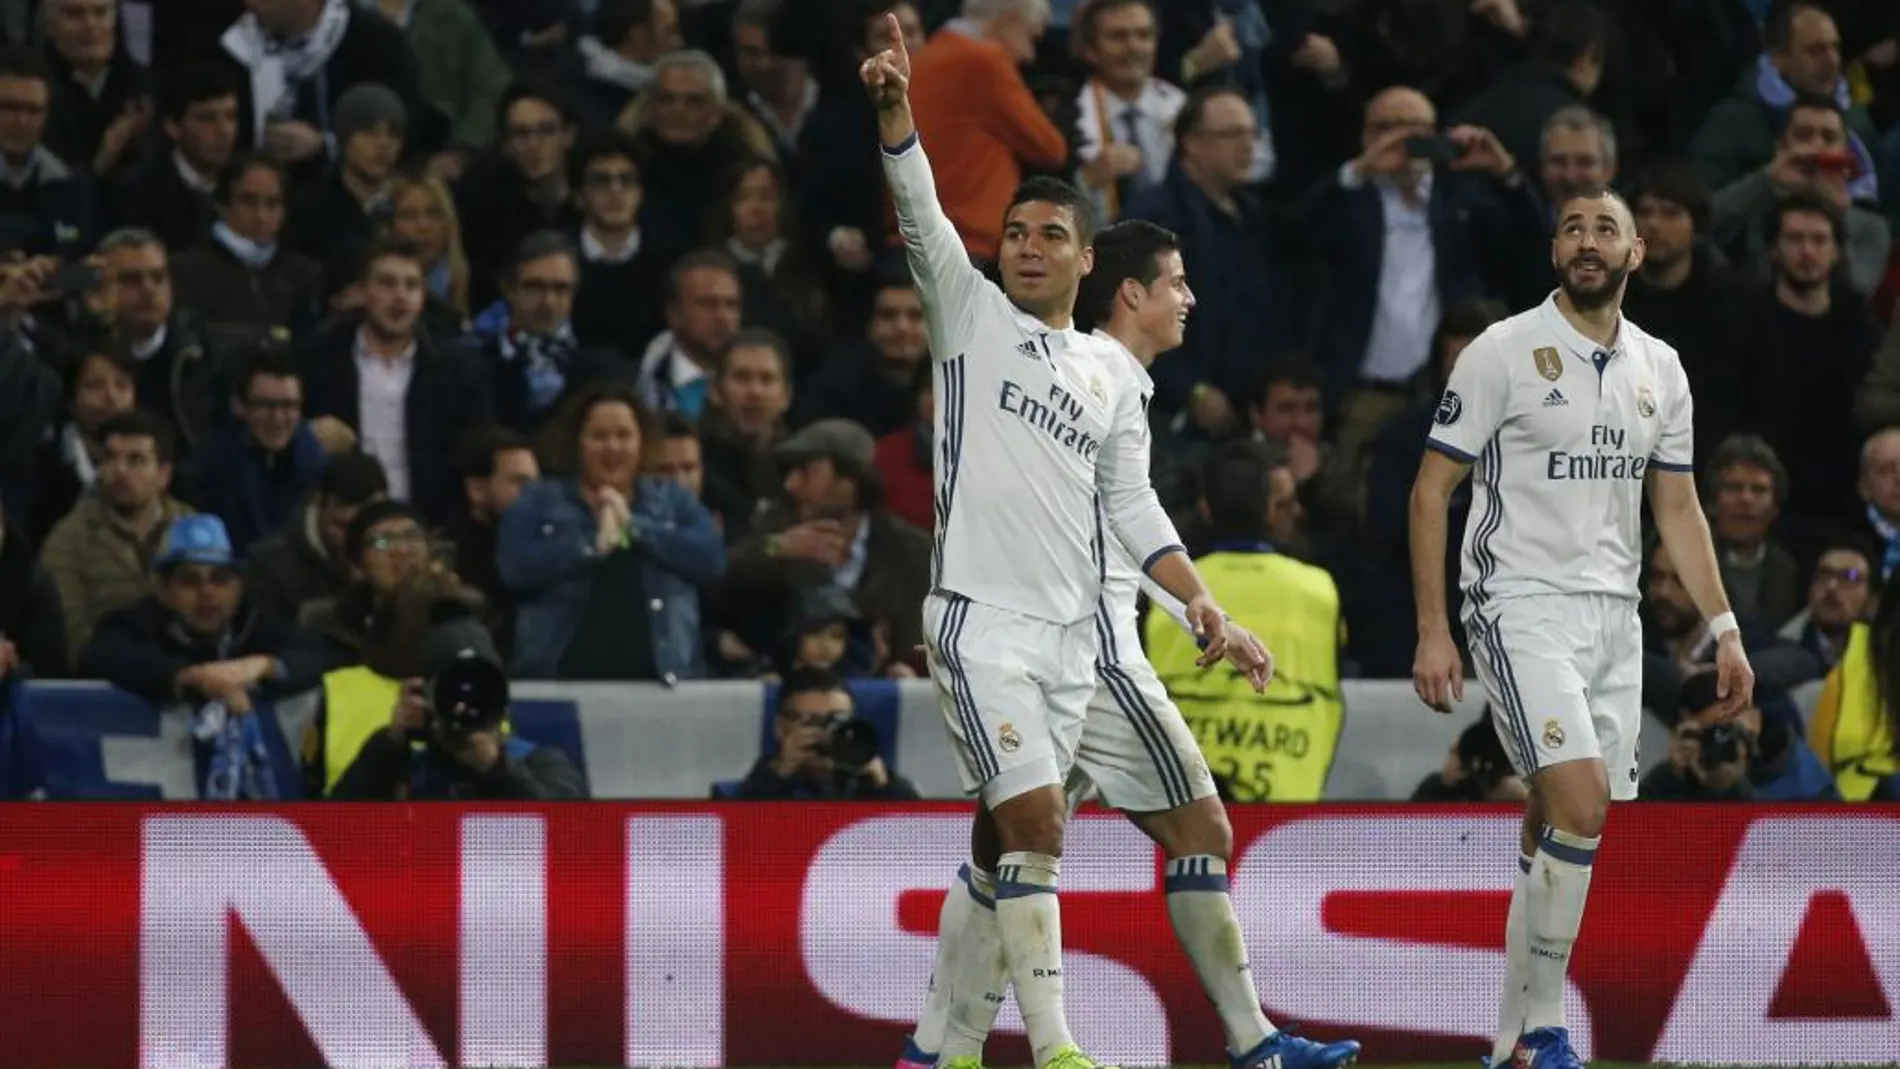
{"points": [[1450, 407]]}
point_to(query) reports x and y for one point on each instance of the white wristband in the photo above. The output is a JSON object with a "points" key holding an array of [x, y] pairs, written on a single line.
{"points": [[1722, 625]]}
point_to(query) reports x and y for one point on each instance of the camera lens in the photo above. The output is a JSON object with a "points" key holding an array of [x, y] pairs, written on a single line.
{"points": [[469, 694]]}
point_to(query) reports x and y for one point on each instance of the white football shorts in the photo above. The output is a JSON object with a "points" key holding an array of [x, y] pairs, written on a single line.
{"points": [[1137, 752], [1014, 691], [1564, 676]]}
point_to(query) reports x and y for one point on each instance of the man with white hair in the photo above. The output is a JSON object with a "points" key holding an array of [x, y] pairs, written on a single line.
{"points": [[984, 126], [1880, 492], [689, 133]]}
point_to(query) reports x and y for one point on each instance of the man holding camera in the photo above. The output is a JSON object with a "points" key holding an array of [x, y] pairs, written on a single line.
{"points": [[823, 752], [1756, 757], [447, 737]]}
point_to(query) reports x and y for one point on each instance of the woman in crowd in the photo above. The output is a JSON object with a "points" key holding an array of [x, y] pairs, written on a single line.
{"points": [[782, 291], [422, 213], [608, 565]]}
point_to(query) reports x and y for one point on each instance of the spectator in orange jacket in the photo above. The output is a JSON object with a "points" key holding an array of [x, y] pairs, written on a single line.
{"points": [[977, 117]]}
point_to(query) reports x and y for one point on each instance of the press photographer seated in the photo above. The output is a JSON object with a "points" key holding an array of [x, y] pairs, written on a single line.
{"points": [[1475, 770], [823, 750], [448, 734], [1758, 756]]}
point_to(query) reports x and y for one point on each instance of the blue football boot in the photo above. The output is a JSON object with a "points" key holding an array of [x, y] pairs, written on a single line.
{"points": [[1284, 1050]]}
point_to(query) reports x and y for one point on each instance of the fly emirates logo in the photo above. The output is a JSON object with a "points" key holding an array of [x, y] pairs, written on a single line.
{"points": [[1605, 461], [1059, 416]]}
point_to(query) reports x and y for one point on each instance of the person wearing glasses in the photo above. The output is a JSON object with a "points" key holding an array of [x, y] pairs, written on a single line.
{"points": [[1840, 595], [196, 638], [527, 342], [520, 187], [260, 468], [623, 270]]}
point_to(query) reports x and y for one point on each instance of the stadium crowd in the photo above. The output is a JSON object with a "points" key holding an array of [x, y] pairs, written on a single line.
{"points": [[322, 321]]}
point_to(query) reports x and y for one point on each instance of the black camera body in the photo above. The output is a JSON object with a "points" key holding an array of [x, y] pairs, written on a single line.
{"points": [[851, 744], [467, 695], [1719, 744]]}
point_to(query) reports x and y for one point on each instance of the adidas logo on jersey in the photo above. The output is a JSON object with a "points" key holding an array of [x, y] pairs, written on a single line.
{"points": [[1555, 399], [1029, 350]]}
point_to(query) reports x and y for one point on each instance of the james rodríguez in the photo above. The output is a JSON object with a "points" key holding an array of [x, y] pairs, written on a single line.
{"points": [[1565, 412]]}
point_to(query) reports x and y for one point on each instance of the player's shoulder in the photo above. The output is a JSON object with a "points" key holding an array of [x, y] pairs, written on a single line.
{"points": [[1489, 351]]}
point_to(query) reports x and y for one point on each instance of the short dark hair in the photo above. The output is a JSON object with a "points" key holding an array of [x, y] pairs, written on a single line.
{"points": [[1678, 182], [601, 145], [697, 260], [1852, 542], [1235, 489], [1467, 319], [1042, 189], [1597, 192], [807, 681], [190, 84], [475, 450], [139, 423], [539, 246], [1193, 110], [1086, 20], [243, 164], [352, 479], [357, 533], [1777, 26], [25, 63], [756, 338], [116, 355], [384, 248], [1747, 450], [1809, 102], [1566, 32], [531, 87], [1291, 370], [1807, 202], [1129, 250], [264, 363], [615, 19]]}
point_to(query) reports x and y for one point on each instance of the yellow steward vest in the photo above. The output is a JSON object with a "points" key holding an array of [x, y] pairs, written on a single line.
{"points": [[1277, 746], [356, 704], [1850, 731]]}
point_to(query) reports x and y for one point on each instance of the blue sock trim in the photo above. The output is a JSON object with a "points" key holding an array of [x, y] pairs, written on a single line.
{"points": [[1178, 883], [977, 896], [1012, 889], [912, 1053], [1575, 855]]}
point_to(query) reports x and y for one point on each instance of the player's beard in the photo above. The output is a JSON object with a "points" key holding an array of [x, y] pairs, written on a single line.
{"points": [[1591, 297]]}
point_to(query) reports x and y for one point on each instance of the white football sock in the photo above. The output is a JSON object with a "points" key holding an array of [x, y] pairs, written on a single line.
{"points": [[1559, 887], [1517, 954], [1205, 926], [1029, 917], [970, 979]]}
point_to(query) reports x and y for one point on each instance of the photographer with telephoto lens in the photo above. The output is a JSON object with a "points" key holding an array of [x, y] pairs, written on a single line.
{"points": [[448, 735], [824, 751], [1758, 756]]}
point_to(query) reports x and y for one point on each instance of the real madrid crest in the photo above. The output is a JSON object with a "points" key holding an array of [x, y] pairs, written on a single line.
{"points": [[1549, 364], [1645, 401], [1553, 734], [1007, 738]]}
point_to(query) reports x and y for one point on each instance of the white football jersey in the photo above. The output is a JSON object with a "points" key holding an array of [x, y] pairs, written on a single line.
{"points": [[1561, 432], [1035, 426]]}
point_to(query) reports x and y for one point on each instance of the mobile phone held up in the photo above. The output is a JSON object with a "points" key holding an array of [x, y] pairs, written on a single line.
{"points": [[1434, 148], [1839, 161], [73, 276]]}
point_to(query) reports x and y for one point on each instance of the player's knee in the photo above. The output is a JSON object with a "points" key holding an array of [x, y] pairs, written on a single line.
{"points": [[1198, 829], [1032, 823], [1585, 815]]}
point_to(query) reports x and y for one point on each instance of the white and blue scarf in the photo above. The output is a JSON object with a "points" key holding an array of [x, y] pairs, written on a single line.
{"points": [[278, 64], [237, 765]]}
